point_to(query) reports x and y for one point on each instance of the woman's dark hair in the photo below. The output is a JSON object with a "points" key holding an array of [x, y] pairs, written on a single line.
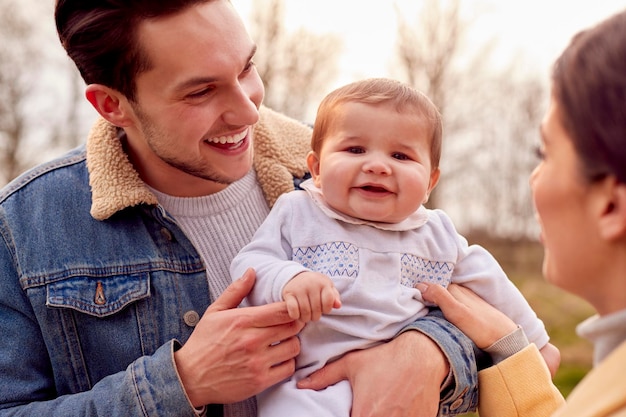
{"points": [[100, 36], [589, 85]]}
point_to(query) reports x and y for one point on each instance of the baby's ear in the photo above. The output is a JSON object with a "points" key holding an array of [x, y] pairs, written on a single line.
{"points": [[434, 179], [313, 163], [613, 216]]}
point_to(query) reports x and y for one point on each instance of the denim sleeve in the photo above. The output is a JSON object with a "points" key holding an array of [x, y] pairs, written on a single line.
{"points": [[460, 393], [149, 387]]}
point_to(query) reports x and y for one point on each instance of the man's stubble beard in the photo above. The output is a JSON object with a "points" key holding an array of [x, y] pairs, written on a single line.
{"points": [[155, 138]]}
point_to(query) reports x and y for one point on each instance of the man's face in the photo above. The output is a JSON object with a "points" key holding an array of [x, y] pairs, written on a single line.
{"points": [[195, 108]]}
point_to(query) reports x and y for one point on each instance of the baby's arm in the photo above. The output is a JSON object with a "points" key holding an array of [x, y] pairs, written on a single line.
{"points": [[309, 295], [552, 357]]}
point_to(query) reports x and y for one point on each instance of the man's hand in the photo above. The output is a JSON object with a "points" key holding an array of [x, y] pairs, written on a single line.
{"points": [[233, 352], [400, 378]]}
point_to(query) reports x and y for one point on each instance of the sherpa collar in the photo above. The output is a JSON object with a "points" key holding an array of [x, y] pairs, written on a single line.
{"points": [[280, 148]]}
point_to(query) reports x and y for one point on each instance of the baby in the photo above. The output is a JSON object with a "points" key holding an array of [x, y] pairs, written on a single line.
{"points": [[347, 252]]}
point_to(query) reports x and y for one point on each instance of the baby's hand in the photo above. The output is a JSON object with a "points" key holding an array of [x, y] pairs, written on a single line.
{"points": [[309, 295]]}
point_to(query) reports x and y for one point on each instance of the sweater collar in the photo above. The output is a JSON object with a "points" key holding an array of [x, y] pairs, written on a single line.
{"points": [[605, 332], [280, 148]]}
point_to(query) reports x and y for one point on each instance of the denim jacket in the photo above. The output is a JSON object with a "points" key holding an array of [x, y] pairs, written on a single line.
{"points": [[99, 286]]}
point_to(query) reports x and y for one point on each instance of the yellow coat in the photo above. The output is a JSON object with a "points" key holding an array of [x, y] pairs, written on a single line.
{"points": [[520, 386]]}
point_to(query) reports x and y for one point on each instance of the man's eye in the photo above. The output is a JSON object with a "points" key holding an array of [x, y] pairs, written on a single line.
{"points": [[200, 93]]}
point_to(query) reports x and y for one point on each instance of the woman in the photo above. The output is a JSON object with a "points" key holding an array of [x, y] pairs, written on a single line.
{"points": [[579, 191]]}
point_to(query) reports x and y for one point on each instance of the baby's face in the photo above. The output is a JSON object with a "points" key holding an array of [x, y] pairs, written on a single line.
{"points": [[375, 163]]}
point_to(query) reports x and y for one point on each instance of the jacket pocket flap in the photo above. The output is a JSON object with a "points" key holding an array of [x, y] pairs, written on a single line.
{"points": [[98, 296]]}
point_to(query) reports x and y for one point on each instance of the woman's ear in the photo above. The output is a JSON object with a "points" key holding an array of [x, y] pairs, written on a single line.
{"points": [[110, 104], [613, 217], [313, 162]]}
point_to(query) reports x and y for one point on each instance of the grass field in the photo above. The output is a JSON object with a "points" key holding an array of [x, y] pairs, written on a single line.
{"points": [[560, 311]]}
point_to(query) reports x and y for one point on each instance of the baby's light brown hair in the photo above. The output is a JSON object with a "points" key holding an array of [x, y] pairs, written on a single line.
{"points": [[376, 91]]}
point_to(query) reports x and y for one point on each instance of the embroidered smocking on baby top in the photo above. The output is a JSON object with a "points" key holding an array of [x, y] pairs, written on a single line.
{"points": [[337, 259]]}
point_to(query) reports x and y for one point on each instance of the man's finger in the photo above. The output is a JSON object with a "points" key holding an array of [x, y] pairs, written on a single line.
{"points": [[234, 294], [270, 315], [325, 377]]}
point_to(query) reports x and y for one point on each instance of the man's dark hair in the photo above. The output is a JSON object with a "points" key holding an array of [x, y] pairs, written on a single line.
{"points": [[100, 36]]}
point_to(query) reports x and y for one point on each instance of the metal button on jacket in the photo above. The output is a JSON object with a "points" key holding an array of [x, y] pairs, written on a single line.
{"points": [[167, 234], [191, 318]]}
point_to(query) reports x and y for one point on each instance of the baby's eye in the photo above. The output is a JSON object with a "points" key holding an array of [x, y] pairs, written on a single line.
{"points": [[400, 156], [355, 149]]}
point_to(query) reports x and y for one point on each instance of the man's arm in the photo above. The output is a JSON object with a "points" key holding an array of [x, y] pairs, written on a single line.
{"points": [[430, 359]]}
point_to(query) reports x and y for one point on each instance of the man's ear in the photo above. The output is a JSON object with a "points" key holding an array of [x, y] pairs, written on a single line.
{"points": [[313, 162], [613, 216], [110, 104]]}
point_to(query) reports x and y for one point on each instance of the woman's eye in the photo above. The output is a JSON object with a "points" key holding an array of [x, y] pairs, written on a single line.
{"points": [[539, 153], [249, 66]]}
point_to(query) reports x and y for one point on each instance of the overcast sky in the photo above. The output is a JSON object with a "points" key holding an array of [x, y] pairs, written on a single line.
{"points": [[536, 30]]}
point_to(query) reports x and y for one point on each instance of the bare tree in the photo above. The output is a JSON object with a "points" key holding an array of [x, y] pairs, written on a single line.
{"points": [[68, 130], [310, 67], [517, 104], [268, 31], [16, 57], [296, 67], [490, 119], [428, 49], [42, 111]]}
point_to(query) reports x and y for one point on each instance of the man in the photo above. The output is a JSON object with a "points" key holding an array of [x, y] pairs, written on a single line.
{"points": [[111, 254]]}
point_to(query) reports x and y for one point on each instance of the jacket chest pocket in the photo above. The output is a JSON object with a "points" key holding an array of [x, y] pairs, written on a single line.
{"points": [[99, 297], [99, 325]]}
